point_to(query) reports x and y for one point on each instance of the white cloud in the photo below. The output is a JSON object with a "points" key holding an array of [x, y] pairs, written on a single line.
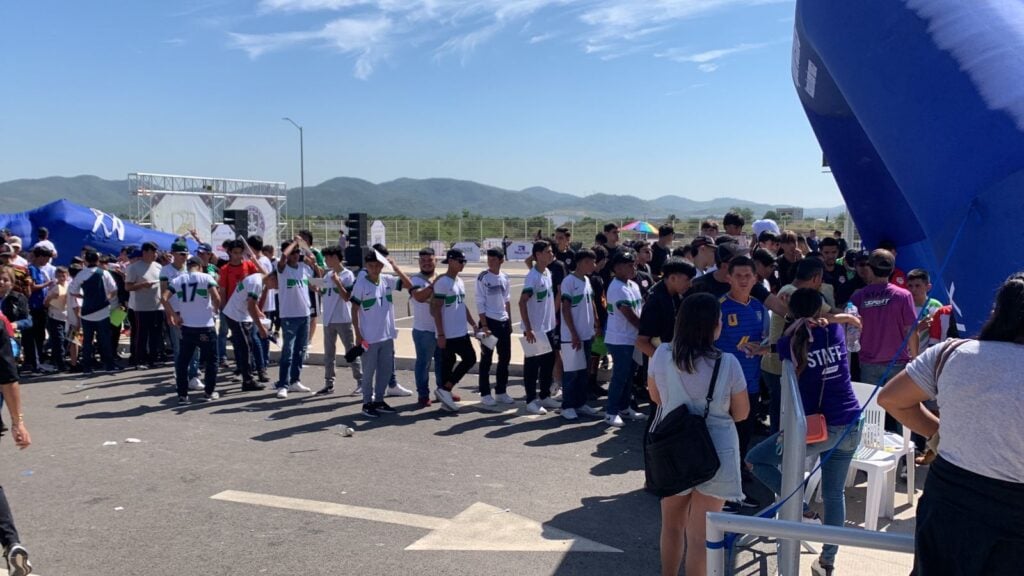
{"points": [[369, 30], [366, 39], [708, 61]]}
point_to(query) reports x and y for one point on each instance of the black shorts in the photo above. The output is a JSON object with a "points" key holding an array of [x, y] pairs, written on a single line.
{"points": [[8, 365]]}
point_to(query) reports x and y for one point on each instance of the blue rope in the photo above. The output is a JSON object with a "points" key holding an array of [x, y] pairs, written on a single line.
{"points": [[774, 508]]}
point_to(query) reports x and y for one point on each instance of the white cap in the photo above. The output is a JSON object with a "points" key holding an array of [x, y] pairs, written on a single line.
{"points": [[765, 226]]}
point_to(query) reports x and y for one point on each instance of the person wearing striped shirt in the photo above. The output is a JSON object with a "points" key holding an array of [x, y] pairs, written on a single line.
{"points": [[493, 297]]}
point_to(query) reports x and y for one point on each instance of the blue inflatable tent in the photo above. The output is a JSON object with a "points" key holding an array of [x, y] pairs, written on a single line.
{"points": [[73, 226], [919, 107]]}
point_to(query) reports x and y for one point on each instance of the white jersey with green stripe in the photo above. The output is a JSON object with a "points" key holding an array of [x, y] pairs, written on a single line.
{"points": [[249, 288], [376, 311], [452, 293], [293, 291], [190, 298], [541, 305], [580, 295], [336, 310], [622, 295]]}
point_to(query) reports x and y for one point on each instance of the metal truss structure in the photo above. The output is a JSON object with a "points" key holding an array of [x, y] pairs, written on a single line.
{"points": [[147, 189]]}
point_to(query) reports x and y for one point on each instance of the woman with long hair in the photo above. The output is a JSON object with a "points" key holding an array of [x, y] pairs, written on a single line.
{"points": [[680, 374], [970, 519], [818, 352]]}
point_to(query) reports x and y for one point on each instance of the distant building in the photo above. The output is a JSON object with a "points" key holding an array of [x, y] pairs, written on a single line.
{"points": [[790, 213]]}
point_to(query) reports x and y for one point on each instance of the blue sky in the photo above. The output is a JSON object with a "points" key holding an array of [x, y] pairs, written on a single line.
{"points": [[643, 97]]}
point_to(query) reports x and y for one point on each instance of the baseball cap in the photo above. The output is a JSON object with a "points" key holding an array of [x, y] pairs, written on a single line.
{"points": [[624, 257], [724, 239], [702, 240], [205, 247], [179, 245], [882, 260], [14, 241], [6, 250], [496, 253], [454, 254], [730, 250], [765, 225]]}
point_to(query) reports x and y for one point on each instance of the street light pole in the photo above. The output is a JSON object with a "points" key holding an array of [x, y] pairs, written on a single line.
{"points": [[302, 170]]}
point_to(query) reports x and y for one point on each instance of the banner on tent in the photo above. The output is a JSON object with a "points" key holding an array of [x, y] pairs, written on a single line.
{"points": [[262, 216], [178, 214]]}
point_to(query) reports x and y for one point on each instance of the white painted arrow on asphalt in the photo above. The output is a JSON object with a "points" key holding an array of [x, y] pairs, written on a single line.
{"points": [[480, 527]]}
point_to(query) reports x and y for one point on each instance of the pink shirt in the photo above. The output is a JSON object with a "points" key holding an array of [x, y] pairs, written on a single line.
{"points": [[887, 312]]}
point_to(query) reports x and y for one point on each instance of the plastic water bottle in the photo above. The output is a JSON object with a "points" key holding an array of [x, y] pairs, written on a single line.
{"points": [[852, 332]]}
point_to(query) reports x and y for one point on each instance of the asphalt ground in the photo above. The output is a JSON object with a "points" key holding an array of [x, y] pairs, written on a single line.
{"points": [[146, 508]]}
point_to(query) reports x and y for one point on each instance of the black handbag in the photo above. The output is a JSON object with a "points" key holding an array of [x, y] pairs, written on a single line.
{"points": [[678, 451]]}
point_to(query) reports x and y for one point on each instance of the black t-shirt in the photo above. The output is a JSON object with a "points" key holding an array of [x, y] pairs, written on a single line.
{"points": [[845, 290], [645, 281], [597, 285], [8, 364], [658, 319], [558, 273], [658, 259], [568, 258], [707, 283], [786, 270], [837, 277], [607, 272]]}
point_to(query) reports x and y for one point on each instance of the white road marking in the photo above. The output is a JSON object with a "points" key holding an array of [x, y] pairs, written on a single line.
{"points": [[481, 527]]}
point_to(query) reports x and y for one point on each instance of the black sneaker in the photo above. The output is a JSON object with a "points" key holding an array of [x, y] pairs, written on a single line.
{"points": [[383, 407], [182, 400], [370, 411], [326, 390], [17, 561], [253, 387], [262, 377]]}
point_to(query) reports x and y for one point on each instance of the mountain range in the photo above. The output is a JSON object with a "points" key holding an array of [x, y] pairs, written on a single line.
{"points": [[423, 198]]}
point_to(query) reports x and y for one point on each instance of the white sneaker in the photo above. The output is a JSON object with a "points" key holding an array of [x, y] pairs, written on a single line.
{"points": [[555, 390], [398, 390], [588, 411], [282, 393], [569, 414], [550, 403], [506, 399], [488, 401], [196, 384], [614, 420], [535, 407], [297, 387], [445, 397], [633, 415]]}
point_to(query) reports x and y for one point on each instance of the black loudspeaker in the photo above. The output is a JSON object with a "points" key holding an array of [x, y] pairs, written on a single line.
{"points": [[238, 220], [358, 229], [355, 255]]}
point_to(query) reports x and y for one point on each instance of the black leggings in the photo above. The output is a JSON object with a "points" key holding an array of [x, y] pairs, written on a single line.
{"points": [[462, 348], [540, 368]]}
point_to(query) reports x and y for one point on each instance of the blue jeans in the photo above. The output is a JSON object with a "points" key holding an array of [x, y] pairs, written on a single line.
{"points": [[98, 330], [295, 335], [620, 389], [767, 456], [222, 339], [426, 350], [259, 361]]}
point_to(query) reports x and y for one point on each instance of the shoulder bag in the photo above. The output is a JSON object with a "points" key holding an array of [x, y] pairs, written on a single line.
{"points": [[678, 451]]}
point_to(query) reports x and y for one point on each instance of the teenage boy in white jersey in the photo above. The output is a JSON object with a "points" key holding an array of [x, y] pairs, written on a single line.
{"points": [[492, 302], [424, 330], [179, 254], [242, 312], [337, 315], [294, 270], [625, 305], [373, 319], [579, 325], [537, 309], [189, 304], [453, 321]]}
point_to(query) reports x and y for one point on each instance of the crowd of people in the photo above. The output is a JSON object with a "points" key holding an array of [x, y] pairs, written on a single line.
{"points": [[661, 314]]}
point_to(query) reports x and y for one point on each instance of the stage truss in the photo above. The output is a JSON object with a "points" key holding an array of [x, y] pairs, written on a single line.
{"points": [[220, 193]]}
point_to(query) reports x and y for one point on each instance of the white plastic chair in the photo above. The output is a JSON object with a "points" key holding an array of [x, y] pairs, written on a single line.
{"points": [[878, 455]]}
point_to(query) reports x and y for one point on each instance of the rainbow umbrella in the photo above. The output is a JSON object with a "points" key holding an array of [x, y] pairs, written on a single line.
{"points": [[641, 226]]}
